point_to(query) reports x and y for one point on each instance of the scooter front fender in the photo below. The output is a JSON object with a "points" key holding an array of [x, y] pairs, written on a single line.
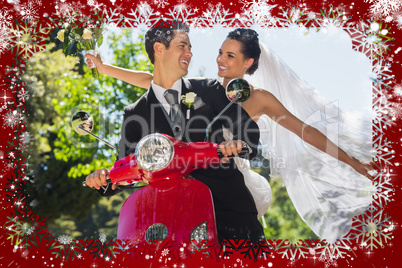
{"points": [[176, 207]]}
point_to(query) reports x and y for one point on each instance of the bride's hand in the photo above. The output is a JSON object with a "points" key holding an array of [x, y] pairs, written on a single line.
{"points": [[91, 60], [364, 168]]}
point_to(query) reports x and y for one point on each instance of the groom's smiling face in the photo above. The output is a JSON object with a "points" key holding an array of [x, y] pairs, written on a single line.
{"points": [[178, 56]]}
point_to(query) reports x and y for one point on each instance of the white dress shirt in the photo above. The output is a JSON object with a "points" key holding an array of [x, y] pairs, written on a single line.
{"points": [[159, 91]]}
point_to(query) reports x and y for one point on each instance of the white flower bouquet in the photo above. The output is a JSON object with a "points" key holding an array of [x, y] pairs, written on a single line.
{"points": [[83, 39]]}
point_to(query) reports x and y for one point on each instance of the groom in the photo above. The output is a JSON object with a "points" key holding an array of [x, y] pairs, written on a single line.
{"points": [[169, 49]]}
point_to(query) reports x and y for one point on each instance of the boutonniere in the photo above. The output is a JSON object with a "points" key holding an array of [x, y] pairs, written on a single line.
{"points": [[188, 100]]}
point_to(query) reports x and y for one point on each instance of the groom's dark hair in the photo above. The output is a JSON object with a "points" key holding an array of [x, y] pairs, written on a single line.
{"points": [[162, 33]]}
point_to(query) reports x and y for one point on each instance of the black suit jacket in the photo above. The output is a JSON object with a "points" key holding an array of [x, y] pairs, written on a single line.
{"points": [[226, 183]]}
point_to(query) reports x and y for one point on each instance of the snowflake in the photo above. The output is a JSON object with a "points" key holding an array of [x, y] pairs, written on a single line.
{"points": [[384, 188], [328, 260], [65, 239], [144, 8], [399, 21], [213, 15], [27, 228], [68, 10], [25, 138], [5, 18], [27, 38], [181, 13], [373, 228], [94, 4], [291, 250], [13, 118], [396, 110], [330, 252], [311, 15], [165, 252], [102, 237], [259, 10], [384, 8], [160, 3], [398, 90], [23, 95], [29, 11], [4, 36]]}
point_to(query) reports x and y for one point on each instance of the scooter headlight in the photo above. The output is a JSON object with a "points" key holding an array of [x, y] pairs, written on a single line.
{"points": [[154, 152]]}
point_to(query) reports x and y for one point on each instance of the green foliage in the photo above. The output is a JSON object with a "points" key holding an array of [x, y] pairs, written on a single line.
{"points": [[60, 159]]}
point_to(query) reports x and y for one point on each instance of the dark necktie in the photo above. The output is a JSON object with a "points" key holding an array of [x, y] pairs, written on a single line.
{"points": [[172, 99]]}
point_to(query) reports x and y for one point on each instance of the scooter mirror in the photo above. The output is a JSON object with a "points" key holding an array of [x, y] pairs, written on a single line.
{"points": [[237, 86], [81, 121]]}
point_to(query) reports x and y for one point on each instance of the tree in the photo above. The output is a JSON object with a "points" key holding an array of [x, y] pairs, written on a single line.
{"points": [[59, 158]]}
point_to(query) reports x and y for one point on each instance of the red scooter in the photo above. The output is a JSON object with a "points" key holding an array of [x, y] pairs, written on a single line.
{"points": [[171, 207]]}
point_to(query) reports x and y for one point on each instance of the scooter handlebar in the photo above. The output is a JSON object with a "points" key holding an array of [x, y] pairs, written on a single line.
{"points": [[108, 180], [245, 151]]}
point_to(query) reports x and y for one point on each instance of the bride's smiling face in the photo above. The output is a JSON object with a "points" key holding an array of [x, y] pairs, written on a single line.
{"points": [[231, 61]]}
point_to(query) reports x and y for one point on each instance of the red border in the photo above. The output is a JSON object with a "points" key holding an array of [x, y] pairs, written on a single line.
{"points": [[360, 258]]}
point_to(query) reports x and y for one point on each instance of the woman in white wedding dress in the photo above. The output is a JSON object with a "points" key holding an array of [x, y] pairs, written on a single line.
{"points": [[328, 187]]}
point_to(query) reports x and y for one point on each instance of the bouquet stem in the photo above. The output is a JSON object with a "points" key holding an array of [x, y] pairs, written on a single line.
{"points": [[94, 70]]}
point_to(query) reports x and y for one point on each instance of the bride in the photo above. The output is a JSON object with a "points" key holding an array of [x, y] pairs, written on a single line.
{"points": [[328, 186]]}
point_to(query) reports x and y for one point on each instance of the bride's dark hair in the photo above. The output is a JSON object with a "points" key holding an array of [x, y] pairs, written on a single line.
{"points": [[250, 45]]}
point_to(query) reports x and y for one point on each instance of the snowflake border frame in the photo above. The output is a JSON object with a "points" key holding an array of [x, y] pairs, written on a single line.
{"points": [[143, 14]]}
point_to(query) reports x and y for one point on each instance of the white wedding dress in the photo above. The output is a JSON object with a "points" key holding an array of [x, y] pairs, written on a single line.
{"points": [[326, 193]]}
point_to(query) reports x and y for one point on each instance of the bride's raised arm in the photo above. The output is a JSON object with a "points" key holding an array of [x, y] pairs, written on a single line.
{"points": [[266, 103], [136, 78]]}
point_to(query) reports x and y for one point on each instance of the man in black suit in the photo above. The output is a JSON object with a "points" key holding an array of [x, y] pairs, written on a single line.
{"points": [[169, 49]]}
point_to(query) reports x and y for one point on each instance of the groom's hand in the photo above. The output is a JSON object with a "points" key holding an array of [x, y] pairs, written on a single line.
{"points": [[98, 179], [230, 149]]}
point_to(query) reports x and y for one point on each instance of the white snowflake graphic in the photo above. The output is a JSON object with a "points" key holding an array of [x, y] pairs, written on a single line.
{"points": [[181, 13], [5, 18], [68, 10], [398, 90], [29, 11], [384, 8], [144, 8], [214, 15], [5, 22], [384, 189], [65, 239], [102, 237], [94, 4], [23, 95], [373, 230], [165, 252], [399, 21], [292, 251], [396, 110], [330, 252], [160, 3], [259, 11], [4, 37], [12, 119]]}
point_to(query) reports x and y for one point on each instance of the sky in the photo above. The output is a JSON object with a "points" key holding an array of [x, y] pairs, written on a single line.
{"points": [[324, 59]]}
